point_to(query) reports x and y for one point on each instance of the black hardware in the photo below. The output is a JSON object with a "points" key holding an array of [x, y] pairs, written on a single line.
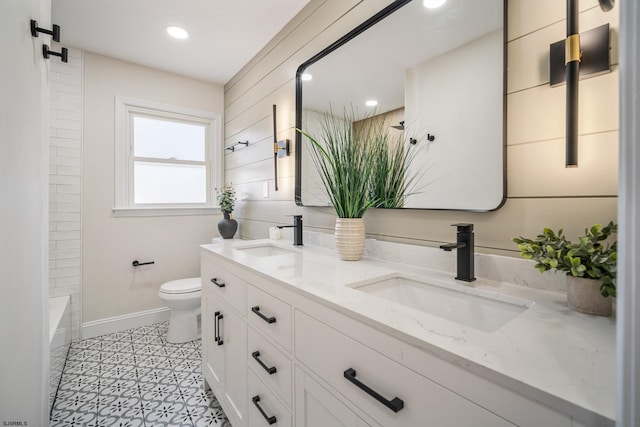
{"points": [[217, 316], [218, 284], [270, 420], [400, 126], [215, 326], [271, 370], [137, 263], [395, 404], [413, 141], [233, 147], [297, 224], [465, 246], [430, 137], [47, 53], [256, 310], [55, 33]]}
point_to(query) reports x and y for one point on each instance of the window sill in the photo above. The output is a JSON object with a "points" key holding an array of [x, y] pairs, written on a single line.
{"points": [[140, 212]]}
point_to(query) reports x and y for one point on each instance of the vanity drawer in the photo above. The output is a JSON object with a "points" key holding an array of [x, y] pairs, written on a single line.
{"points": [[263, 405], [269, 315], [276, 371], [225, 284], [418, 401]]}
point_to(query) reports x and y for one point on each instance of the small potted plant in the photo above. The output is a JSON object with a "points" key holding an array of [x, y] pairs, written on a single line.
{"points": [[226, 200], [590, 265]]}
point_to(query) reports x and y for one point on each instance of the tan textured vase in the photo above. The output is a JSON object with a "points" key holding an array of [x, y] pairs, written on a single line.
{"points": [[583, 295], [350, 238]]}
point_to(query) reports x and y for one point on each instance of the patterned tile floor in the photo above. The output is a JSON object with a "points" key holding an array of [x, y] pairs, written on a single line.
{"points": [[135, 378]]}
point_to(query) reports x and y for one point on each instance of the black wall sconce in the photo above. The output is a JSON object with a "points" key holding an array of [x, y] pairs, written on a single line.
{"points": [[578, 55]]}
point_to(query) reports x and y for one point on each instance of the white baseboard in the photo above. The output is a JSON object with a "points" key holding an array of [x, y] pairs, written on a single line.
{"points": [[124, 322]]}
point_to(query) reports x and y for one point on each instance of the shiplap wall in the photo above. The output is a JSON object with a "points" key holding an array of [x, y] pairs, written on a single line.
{"points": [[541, 191]]}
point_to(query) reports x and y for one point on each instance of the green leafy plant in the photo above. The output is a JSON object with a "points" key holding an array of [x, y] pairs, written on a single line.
{"points": [[345, 159], [226, 198], [589, 257]]}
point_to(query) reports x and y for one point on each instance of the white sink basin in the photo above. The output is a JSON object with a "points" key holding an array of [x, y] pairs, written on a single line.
{"points": [[475, 308], [264, 250]]}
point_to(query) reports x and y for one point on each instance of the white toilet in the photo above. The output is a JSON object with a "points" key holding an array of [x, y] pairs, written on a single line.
{"points": [[183, 298]]}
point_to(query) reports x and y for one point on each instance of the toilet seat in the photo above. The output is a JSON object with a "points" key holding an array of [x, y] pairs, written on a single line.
{"points": [[181, 286]]}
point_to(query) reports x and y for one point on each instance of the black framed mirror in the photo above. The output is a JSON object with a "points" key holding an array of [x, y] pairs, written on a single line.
{"points": [[439, 78]]}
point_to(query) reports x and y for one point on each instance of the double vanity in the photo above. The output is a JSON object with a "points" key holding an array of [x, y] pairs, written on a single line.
{"points": [[292, 336]]}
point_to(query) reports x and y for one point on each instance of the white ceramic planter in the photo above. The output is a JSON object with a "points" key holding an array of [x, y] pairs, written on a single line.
{"points": [[350, 235], [583, 295]]}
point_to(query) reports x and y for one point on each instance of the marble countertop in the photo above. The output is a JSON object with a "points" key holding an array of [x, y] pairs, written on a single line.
{"points": [[548, 353]]}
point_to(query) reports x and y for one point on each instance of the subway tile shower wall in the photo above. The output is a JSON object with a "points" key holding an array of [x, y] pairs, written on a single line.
{"points": [[65, 182]]}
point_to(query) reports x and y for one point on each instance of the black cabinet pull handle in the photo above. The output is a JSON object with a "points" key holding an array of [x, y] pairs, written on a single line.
{"points": [[271, 370], [218, 284], [256, 310], [215, 326], [395, 404], [271, 419], [218, 337]]}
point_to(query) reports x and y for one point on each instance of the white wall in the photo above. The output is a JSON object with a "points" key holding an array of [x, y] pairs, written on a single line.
{"points": [[24, 108], [65, 182], [110, 285], [541, 191]]}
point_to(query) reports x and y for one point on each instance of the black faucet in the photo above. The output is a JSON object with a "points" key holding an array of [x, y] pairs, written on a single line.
{"points": [[297, 224], [464, 245]]}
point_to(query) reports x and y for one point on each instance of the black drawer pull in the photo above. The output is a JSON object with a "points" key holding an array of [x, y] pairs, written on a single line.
{"points": [[271, 370], [256, 310], [216, 326], [395, 404], [271, 419], [218, 284]]}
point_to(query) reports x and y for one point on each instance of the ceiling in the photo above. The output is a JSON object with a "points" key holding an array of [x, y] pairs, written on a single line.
{"points": [[223, 35]]}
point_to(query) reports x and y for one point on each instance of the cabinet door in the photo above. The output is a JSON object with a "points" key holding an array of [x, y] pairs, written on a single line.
{"points": [[234, 344], [317, 407], [212, 354]]}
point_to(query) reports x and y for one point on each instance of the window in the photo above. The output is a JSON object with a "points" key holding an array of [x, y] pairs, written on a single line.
{"points": [[167, 159]]}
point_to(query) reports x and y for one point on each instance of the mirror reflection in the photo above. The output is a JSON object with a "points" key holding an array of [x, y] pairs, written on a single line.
{"points": [[436, 76]]}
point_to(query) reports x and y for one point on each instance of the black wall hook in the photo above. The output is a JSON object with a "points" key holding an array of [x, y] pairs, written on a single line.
{"points": [[55, 33], [47, 53], [233, 147]]}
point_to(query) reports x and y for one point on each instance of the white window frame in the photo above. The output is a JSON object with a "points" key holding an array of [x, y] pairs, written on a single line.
{"points": [[125, 109]]}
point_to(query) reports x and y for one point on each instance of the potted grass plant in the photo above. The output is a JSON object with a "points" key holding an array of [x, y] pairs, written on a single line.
{"points": [[392, 180], [590, 265], [345, 158]]}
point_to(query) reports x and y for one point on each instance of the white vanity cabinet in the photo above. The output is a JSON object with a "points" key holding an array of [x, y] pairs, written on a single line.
{"points": [[224, 340], [292, 358]]}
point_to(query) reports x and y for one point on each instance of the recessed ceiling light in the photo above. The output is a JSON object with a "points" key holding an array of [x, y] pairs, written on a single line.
{"points": [[177, 32], [371, 103], [433, 4], [305, 77]]}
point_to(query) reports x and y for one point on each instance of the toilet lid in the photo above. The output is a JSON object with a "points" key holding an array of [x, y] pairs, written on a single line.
{"points": [[181, 286]]}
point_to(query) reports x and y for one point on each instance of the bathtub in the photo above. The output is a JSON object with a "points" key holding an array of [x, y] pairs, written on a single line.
{"points": [[59, 340]]}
